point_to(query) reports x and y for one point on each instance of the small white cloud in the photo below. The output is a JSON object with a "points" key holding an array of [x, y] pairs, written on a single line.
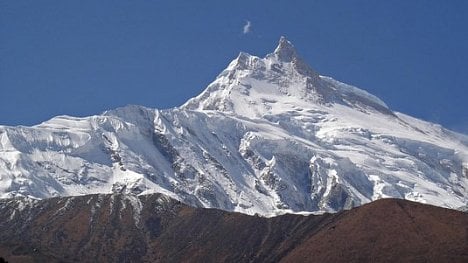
{"points": [[247, 27]]}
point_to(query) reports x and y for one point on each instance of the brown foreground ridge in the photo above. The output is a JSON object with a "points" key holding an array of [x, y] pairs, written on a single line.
{"points": [[155, 228]]}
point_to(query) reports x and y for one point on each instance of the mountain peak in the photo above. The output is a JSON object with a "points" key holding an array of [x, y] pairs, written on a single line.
{"points": [[267, 136], [285, 50], [249, 83]]}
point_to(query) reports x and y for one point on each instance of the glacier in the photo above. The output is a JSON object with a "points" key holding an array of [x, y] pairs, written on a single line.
{"points": [[268, 136]]}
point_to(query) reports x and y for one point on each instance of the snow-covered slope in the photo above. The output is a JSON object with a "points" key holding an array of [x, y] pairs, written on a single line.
{"points": [[268, 136]]}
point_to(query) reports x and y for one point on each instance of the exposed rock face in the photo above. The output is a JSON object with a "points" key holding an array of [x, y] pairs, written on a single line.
{"points": [[155, 228]]}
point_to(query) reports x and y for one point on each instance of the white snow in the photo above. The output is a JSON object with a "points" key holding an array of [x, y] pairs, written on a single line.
{"points": [[268, 136]]}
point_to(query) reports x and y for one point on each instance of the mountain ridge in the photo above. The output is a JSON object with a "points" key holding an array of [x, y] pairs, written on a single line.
{"points": [[267, 136], [280, 68], [155, 228]]}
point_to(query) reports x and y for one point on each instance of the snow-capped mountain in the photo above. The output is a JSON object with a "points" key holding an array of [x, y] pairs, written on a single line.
{"points": [[268, 136]]}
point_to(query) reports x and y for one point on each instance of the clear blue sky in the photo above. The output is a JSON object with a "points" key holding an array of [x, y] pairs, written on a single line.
{"points": [[83, 57]]}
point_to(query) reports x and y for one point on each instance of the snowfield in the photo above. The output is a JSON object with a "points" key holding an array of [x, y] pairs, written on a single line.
{"points": [[267, 136]]}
